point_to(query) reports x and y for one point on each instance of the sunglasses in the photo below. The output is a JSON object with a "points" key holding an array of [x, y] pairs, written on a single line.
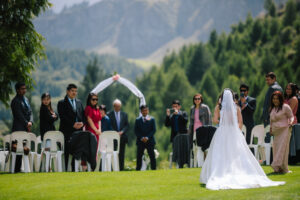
{"points": [[197, 98], [243, 90], [94, 99]]}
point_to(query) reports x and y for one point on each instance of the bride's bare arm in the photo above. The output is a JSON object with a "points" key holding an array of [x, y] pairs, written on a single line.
{"points": [[216, 115], [240, 118]]}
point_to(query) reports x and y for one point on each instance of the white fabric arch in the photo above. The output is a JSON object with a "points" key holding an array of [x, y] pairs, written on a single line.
{"points": [[107, 82]]}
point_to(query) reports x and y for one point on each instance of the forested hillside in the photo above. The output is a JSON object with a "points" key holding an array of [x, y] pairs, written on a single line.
{"points": [[252, 48]]}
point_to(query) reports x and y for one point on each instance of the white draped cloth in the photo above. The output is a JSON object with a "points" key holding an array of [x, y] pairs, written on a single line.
{"points": [[105, 83], [229, 163]]}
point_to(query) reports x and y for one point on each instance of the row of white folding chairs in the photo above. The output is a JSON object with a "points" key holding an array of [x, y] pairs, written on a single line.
{"points": [[33, 161], [27, 160]]}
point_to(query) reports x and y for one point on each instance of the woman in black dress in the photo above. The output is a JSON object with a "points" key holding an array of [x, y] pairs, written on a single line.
{"points": [[47, 115]]}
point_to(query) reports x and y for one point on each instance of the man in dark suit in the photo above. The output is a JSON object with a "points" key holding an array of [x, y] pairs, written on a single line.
{"points": [[273, 86], [72, 117], [177, 120], [248, 105], [22, 116], [119, 122], [144, 130]]}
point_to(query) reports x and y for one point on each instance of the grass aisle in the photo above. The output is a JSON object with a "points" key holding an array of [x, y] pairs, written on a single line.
{"points": [[160, 184]]}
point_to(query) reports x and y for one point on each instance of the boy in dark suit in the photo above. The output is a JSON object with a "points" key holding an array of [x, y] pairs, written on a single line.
{"points": [[72, 117], [145, 129]]}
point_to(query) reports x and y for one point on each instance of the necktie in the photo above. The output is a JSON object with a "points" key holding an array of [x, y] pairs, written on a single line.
{"points": [[118, 120], [144, 119], [73, 104]]}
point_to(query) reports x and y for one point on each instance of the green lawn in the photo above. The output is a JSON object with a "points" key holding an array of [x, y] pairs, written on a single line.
{"points": [[160, 184]]}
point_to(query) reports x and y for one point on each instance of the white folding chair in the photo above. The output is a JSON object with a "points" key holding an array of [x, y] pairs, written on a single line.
{"points": [[107, 152], [54, 157], [21, 137], [258, 131]]}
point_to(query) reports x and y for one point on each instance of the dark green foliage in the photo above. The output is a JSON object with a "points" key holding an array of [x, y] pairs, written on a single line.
{"points": [[21, 46]]}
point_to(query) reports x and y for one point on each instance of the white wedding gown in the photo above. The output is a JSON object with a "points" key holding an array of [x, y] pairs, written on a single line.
{"points": [[229, 163]]}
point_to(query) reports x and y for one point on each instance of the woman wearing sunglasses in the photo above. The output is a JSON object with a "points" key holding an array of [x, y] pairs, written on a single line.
{"points": [[93, 115], [200, 115]]}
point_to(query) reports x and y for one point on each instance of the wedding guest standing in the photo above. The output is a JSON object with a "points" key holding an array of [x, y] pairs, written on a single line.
{"points": [[273, 86], [291, 99], [93, 115], [22, 117], [248, 105], [281, 120], [145, 129], [105, 121], [72, 118], [200, 115], [119, 122], [47, 115], [21, 110], [177, 120]]}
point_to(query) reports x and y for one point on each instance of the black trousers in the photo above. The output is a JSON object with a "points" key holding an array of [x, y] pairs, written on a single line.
{"points": [[123, 142], [141, 146]]}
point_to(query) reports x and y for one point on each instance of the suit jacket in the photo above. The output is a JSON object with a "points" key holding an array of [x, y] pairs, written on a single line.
{"points": [[46, 120], [204, 116], [145, 129], [68, 117], [105, 124], [266, 114], [182, 124], [124, 125], [22, 113], [248, 112]]}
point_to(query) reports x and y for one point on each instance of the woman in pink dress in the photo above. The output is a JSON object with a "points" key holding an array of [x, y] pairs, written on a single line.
{"points": [[281, 119], [290, 98], [93, 115]]}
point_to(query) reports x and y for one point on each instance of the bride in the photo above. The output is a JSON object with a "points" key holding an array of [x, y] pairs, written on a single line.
{"points": [[230, 164]]}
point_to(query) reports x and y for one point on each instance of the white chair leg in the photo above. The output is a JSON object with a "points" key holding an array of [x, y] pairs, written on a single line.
{"points": [[170, 160], [47, 163], [32, 156], [37, 164], [268, 153], [13, 162], [26, 163], [77, 163], [200, 157], [116, 166], [256, 153], [59, 161], [89, 167], [144, 165], [108, 163], [103, 161], [70, 163], [98, 162]]}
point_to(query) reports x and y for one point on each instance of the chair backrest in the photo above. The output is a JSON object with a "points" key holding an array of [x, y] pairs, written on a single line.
{"points": [[258, 131], [55, 137], [6, 142], [32, 142], [38, 144], [244, 130], [20, 137], [106, 141]]}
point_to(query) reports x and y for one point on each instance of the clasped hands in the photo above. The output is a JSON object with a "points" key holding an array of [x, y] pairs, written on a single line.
{"points": [[78, 125], [144, 139]]}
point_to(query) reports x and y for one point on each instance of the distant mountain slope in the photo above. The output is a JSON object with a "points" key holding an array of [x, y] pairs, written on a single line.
{"points": [[139, 28]]}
